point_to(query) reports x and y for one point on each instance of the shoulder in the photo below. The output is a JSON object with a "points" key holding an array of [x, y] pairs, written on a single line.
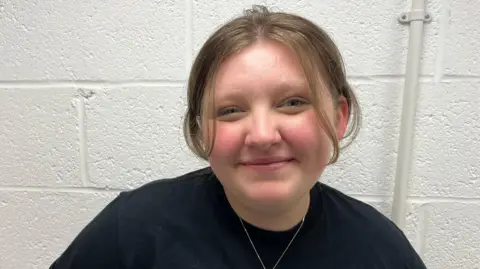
{"points": [[122, 228], [354, 212], [163, 192], [167, 200], [370, 230]]}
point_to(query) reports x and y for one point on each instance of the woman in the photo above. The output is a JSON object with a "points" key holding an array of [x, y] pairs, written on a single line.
{"points": [[268, 104]]}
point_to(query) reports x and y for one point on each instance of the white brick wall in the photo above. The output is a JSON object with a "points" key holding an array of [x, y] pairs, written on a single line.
{"points": [[92, 94]]}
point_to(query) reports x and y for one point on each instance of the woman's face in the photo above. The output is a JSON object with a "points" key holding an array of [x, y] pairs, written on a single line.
{"points": [[269, 146]]}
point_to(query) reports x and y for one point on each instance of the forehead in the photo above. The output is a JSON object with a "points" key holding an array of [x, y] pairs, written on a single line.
{"points": [[262, 65]]}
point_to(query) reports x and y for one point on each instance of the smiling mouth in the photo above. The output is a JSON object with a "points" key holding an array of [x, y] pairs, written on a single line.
{"points": [[267, 165]]}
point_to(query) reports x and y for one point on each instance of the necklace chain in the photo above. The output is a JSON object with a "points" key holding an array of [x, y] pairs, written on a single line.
{"points": [[283, 253]]}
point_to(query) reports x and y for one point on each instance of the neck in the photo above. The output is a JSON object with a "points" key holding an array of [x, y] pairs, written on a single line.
{"points": [[272, 218]]}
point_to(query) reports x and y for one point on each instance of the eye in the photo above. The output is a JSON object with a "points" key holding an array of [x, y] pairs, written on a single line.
{"points": [[294, 102], [294, 105], [227, 111]]}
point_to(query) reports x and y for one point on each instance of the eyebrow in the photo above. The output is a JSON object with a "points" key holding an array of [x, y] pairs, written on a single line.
{"points": [[285, 87]]}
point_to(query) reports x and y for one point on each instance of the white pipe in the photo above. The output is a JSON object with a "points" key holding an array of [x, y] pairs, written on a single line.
{"points": [[404, 157]]}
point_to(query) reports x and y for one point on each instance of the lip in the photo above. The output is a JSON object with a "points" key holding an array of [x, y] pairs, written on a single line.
{"points": [[267, 164]]}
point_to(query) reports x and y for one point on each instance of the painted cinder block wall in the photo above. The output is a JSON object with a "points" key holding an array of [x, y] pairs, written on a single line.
{"points": [[92, 95]]}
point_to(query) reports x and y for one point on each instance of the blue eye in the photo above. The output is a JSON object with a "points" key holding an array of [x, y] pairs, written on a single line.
{"points": [[294, 102], [227, 111]]}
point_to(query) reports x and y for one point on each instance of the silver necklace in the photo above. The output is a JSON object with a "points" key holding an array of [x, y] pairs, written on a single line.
{"points": [[281, 256]]}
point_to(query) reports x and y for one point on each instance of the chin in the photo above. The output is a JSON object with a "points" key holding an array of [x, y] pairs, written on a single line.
{"points": [[272, 192]]}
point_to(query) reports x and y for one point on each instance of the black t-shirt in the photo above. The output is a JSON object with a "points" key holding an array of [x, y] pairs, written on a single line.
{"points": [[187, 222]]}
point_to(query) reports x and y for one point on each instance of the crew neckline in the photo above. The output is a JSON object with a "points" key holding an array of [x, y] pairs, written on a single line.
{"points": [[313, 215]]}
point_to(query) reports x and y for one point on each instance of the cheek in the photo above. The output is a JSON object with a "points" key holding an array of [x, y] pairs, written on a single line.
{"points": [[228, 141], [306, 136]]}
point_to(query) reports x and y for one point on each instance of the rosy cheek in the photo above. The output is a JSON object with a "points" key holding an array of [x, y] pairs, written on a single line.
{"points": [[304, 132], [228, 141]]}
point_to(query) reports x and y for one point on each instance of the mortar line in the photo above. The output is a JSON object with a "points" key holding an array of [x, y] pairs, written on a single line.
{"points": [[417, 199], [82, 133], [442, 35], [454, 78], [434, 199], [87, 190], [422, 79], [89, 84], [188, 35], [422, 231]]}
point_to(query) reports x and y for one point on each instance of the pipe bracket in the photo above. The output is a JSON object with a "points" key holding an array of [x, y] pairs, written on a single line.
{"points": [[416, 15]]}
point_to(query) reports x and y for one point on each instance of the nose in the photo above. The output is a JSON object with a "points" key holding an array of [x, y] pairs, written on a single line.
{"points": [[263, 131]]}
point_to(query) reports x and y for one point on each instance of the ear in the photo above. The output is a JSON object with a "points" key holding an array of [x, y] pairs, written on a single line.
{"points": [[341, 117]]}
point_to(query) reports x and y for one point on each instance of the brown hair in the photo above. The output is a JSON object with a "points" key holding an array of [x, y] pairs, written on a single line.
{"points": [[317, 53]]}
